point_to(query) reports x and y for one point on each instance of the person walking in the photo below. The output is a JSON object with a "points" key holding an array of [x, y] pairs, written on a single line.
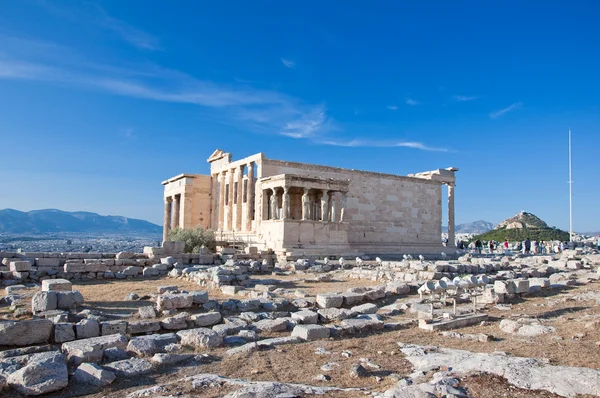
{"points": [[478, 246], [527, 246], [505, 244], [491, 246]]}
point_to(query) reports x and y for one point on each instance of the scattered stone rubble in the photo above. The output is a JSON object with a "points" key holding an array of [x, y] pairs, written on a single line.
{"points": [[91, 348]]}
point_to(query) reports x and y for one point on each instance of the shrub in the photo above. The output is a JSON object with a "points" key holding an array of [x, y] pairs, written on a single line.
{"points": [[194, 239]]}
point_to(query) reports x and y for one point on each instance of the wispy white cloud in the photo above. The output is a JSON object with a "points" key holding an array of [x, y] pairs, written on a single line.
{"points": [[288, 63], [392, 107], [92, 14], [377, 144], [465, 97], [261, 111], [410, 101], [501, 112]]}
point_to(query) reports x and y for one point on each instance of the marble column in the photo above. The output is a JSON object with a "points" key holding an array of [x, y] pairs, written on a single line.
{"points": [[214, 215], [451, 238], [305, 205], [324, 205], [176, 210], [230, 201], [250, 197], [167, 219], [285, 204], [333, 204], [240, 196], [221, 216], [343, 204], [273, 205]]}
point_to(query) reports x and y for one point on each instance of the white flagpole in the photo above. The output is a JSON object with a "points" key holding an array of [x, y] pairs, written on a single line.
{"points": [[570, 190]]}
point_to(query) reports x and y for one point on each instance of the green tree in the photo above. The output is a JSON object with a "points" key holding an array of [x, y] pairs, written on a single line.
{"points": [[194, 239]]}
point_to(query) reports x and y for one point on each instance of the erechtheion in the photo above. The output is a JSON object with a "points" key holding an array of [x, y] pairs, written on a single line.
{"points": [[299, 209]]}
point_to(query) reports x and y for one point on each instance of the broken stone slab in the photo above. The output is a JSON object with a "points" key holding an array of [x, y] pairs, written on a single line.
{"points": [[27, 332], [200, 338], [363, 324], [525, 327], [146, 312], [310, 332], [199, 296], [87, 328], [43, 373], [64, 331], [56, 285], [305, 317], [352, 298], [130, 367], [152, 344], [231, 326], [247, 388], [169, 359], [94, 374], [15, 352], [367, 308], [44, 301], [206, 319], [334, 314], [113, 327], [275, 341], [527, 373], [270, 325], [114, 354], [68, 300], [20, 266], [176, 322], [173, 301], [139, 327], [330, 300], [397, 288], [243, 349], [91, 350], [167, 289]]}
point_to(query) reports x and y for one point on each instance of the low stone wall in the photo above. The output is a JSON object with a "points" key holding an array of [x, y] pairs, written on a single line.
{"points": [[17, 268]]}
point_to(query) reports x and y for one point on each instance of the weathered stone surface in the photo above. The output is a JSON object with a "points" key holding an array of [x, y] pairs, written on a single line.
{"points": [[44, 301], [68, 300], [397, 288], [28, 332], [334, 314], [43, 373], [207, 319], [146, 312], [367, 308], [527, 373], [362, 324], [54, 285], [150, 271], [200, 337], [113, 327], [91, 373], [243, 349], [525, 327], [172, 301], [15, 352], [87, 328], [124, 255], [91, 350], [305, 317], [167, 289], [20, 266], [330, 300], [167, 359], [150, 345], [130, 367], [310, 332], [199, 296], [139, 327], [64, 332], [114, 354], [353, 298], [232, 326], [271, 325]]}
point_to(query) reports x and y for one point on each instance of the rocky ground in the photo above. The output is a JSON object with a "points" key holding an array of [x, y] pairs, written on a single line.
{"points": [[544, 342]]}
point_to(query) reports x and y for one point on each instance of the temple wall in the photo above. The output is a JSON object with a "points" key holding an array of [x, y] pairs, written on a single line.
{"points": [[382, 209]]}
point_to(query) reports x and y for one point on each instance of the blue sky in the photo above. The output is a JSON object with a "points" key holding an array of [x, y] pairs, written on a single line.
{"points": [[101, 101]]}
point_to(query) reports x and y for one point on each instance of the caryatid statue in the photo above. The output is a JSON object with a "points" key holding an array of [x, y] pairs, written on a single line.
{"points": [[274, 205], [305, 205]]}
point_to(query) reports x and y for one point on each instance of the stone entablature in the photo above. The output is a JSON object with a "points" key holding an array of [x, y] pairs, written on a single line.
{"points": [[290, 206]]}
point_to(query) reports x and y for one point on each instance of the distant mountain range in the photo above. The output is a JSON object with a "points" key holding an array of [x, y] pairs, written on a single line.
{"points": [[475, 227], [58, 221], [524, 226]]}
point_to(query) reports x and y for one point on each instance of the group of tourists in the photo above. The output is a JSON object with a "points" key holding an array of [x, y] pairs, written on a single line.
{"points": [[526, 246]]}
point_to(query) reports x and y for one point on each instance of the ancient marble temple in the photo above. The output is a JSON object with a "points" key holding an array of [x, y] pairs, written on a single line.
{"points": [[300, 209]]}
